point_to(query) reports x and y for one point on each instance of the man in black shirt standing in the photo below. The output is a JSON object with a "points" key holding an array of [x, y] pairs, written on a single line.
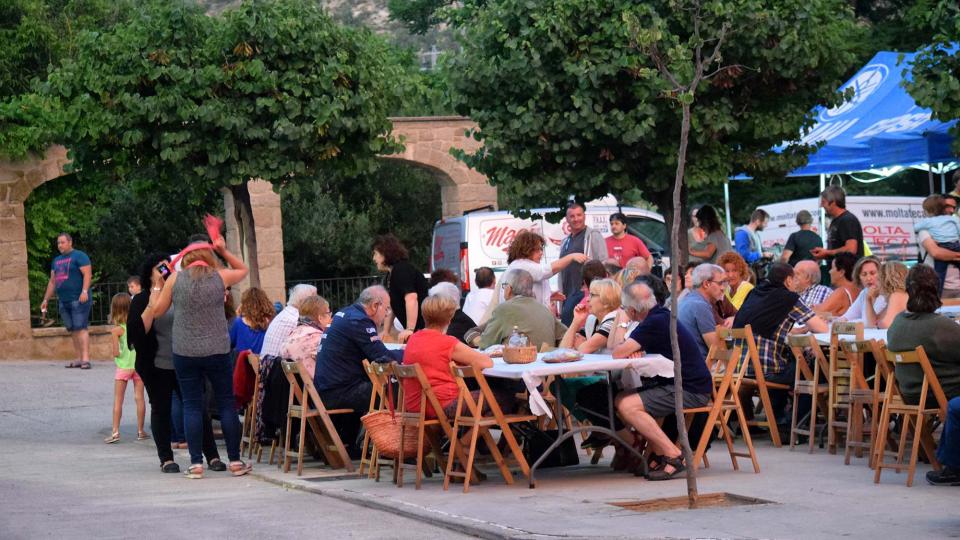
{"points": [[844, 233]]}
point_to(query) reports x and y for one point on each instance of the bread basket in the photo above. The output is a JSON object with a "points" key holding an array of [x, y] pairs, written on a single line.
{"points": [[519, 355]]}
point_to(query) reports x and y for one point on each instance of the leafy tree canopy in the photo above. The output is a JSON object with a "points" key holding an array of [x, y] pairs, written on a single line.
{"points": [[565, 105], [936, 70]]}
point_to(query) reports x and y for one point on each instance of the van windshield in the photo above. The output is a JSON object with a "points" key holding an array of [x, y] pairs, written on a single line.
{"points": [[652, 232]]}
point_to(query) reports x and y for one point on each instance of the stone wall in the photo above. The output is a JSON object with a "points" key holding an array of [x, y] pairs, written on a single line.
{"points": [[428, 142]]}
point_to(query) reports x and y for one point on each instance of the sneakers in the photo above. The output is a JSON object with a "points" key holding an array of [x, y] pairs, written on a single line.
{"points": [[946, 476]]}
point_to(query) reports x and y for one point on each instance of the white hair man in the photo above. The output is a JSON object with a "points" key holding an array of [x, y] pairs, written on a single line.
{"points": [[351, 338], [640, 407], [285, 321], [696, 309], [806, 275], [523, 311]]}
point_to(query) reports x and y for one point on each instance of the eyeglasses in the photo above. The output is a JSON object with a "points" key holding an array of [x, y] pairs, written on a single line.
{"points": [[504, 285]]}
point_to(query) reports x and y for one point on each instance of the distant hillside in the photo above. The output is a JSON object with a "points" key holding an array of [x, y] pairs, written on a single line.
{"points": [[370, 13]]}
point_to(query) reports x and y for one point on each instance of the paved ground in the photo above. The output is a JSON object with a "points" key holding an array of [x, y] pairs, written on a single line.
{"points": [[59, 479]]}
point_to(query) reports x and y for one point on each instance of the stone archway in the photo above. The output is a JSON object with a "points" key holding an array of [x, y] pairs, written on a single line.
{"points": [[427, 140]]}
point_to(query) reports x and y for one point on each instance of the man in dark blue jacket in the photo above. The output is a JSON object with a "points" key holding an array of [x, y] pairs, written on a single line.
{"points": [[351, 338]]}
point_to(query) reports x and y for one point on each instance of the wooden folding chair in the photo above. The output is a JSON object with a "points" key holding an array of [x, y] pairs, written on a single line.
{"points": [[917, 417], [838, 379], [744, 337], [479, 425], [379, 378], [722, 360], [304, 403], [807, 383], [249, 427], [429, 428], [864, 398]]}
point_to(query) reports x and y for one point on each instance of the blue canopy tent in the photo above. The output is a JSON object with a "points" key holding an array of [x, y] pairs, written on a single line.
{"points": [[881, 126]]}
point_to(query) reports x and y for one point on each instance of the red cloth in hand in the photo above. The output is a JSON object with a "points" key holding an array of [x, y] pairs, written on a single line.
{"points": [[212, 224]]}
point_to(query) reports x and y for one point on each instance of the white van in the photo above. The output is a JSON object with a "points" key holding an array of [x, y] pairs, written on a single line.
{"points": [[465, 243]]}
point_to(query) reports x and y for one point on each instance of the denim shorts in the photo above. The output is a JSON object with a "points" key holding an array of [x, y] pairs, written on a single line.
{"points": [[75, 314]]}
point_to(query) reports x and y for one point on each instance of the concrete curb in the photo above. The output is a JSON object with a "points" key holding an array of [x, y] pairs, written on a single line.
{"points": [[454, 522]]}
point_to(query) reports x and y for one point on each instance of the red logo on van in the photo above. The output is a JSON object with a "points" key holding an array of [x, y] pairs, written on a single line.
{"points": [[500, 237]]}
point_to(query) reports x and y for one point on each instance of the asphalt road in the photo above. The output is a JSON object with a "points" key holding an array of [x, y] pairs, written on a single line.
{"points": [[59, 480]]}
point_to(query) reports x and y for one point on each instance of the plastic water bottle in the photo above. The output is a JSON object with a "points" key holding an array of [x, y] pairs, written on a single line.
{"points": [[517, 339]]}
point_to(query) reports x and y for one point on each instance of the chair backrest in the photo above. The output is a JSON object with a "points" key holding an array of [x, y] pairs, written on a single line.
{"points": [[854, 350], [743, 338], [837, 330], [798, 343], [415, 372], [462, 374], [379, 378], [930, 381], [722, 360]]}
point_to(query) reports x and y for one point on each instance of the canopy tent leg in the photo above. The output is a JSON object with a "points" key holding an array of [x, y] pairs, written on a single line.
{"points": [[726, 204], [823, 215], [943, 178], [930, 178]]}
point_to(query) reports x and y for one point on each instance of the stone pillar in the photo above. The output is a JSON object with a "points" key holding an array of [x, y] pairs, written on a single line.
{"points": [[17, 180], [268, 222]]}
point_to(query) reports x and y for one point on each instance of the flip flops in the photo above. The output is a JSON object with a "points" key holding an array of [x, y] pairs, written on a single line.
{"points": [[114, 437], [85, 365], [239, 468]]}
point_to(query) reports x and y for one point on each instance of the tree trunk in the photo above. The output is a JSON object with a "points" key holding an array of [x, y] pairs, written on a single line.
{"points": [[246, 229], [664, 201], [675, 236]]}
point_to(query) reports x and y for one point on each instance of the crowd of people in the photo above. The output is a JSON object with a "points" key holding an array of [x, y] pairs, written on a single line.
{"points": [[178, 336]]}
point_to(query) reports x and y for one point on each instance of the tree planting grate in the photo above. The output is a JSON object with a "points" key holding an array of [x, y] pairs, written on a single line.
{"points": [[706, 500]]}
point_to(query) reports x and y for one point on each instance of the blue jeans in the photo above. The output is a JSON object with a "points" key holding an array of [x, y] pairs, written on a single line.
{"points": [[75, 314], [940, 267], [177, 432], [219, 371], [949, 450]]}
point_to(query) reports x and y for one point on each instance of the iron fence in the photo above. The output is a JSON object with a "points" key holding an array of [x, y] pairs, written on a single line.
{"points": [[340, 292], [100, 293]]}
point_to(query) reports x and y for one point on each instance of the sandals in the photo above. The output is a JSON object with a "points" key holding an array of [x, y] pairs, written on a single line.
{"points": [[142, 436], [194, 471], [657, 475], [239, 468], [74, 365], [84, 365], [217, 465], [114, 437], [170, 467]]}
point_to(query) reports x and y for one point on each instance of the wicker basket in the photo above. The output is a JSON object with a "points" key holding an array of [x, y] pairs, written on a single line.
{"points": [[519, 355], [384, 431]]}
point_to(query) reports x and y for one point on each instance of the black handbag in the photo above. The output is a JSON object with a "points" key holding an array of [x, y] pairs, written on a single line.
{"points": [[535, 442]]}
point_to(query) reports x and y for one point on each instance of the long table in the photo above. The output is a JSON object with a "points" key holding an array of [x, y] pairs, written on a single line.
{"points": [[868, 333], [534, 373]]}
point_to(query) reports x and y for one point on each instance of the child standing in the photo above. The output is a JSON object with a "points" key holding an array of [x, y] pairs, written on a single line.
{"points": [[944, 229], [125, 359]]}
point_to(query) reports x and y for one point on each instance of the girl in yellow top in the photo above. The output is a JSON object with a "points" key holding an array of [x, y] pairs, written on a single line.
{"points": [[125, 358], [738, 276]]}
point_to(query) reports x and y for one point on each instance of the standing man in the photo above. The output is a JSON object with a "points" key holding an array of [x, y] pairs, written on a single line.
{"points": [[844, 233], [582, 239], [70, 276], [747, 238], [624, 246], [801, 243]]}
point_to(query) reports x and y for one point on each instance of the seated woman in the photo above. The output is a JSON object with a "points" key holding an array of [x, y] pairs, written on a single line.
{"points": [[865, 277], [302, 344], [593, 323], [255, 314], [844, 288], [433, 349], [738, 277], [892, 285]]}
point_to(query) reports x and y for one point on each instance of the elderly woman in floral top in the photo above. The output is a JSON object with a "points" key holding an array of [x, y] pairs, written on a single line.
{"points": [[303, 342]]}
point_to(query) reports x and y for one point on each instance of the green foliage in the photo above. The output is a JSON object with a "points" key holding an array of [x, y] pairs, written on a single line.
{"points": [[328, 229], [419, 16], [272, 90], [936, 70], [566, 106], [424, 92], [114, 221]]}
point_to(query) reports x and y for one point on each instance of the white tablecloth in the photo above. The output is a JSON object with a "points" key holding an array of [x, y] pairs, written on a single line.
{"points": [[868, 333], [534, 373]]}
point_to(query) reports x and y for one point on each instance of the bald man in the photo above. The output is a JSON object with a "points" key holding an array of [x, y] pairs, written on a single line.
{"points": [[807, 278]]}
